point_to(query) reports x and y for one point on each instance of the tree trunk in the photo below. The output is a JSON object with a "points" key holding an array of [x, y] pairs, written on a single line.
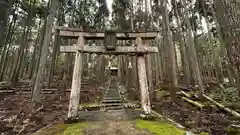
{"points": [[168, 41], [192, 50], [47, 38], [8, 41], [185, 63], [33, 62], [228, 23], [53, 60], [4, 13], [20, 57]]}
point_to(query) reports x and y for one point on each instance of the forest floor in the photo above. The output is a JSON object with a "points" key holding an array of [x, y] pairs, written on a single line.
{"points": [[16, 116], [210, 118]]}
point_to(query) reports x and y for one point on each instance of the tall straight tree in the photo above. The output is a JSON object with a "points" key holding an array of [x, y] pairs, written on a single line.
{"points": [[4, 11], [168, 42], [6, 47], [23, 45], [191, 48], [184, 59], [227, 30], [43, 58]]}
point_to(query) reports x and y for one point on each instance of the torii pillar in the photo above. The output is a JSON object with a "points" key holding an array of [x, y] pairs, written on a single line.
{"points": [[76, 81], [143, 83]]}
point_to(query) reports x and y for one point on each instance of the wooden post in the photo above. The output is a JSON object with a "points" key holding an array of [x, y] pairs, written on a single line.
{"points": [[150, 76], [76, 82], [142, 75]]}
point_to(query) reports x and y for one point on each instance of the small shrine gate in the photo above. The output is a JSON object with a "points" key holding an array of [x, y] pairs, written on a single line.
{"points": [[110, 48]]}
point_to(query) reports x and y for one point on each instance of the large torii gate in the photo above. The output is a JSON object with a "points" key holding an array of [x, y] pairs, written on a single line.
{"points": [[140, 50]]}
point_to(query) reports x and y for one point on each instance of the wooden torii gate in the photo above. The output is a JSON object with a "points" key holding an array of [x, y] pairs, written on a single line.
{"points": [[140, 50]]}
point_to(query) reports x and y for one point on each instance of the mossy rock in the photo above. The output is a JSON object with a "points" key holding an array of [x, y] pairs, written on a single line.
{"points": [[159, 127], [63, 129]]}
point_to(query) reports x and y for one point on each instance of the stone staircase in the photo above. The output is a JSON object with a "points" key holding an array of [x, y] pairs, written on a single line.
{"points": [[112, 99]]}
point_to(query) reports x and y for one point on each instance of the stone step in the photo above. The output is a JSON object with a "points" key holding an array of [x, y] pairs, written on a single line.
{"points": [[112, 104], [112, 90], [114, 108], [111, 94], [111, 98], [111, 101]]}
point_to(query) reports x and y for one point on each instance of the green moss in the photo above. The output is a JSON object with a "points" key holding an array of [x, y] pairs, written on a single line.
{"points": [[138, 109], [74, 129], [89, 105], [204, 133], [52, 130], [159, 127], [233, 131], [162, 93], [63, 129]]}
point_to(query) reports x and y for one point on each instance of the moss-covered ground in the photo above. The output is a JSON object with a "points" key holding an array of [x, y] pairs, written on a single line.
{"points": [[159, 127], [138, 126], [63, 129]]}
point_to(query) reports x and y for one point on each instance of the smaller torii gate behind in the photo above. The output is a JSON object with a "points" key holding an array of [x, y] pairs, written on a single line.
{"points": [[140, 50]]}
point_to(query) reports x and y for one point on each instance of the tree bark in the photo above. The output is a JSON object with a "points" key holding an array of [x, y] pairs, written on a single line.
{"points": [[185, 63], [168, 41], [20, 57], [53, 60], [33, 62], [192, 50], [47, 38], [6, 48]]}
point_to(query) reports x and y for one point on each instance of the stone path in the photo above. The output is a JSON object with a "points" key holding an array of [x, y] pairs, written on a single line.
{"points": [[112, 99], [114, 128], [112, 107], [117, 115]]}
